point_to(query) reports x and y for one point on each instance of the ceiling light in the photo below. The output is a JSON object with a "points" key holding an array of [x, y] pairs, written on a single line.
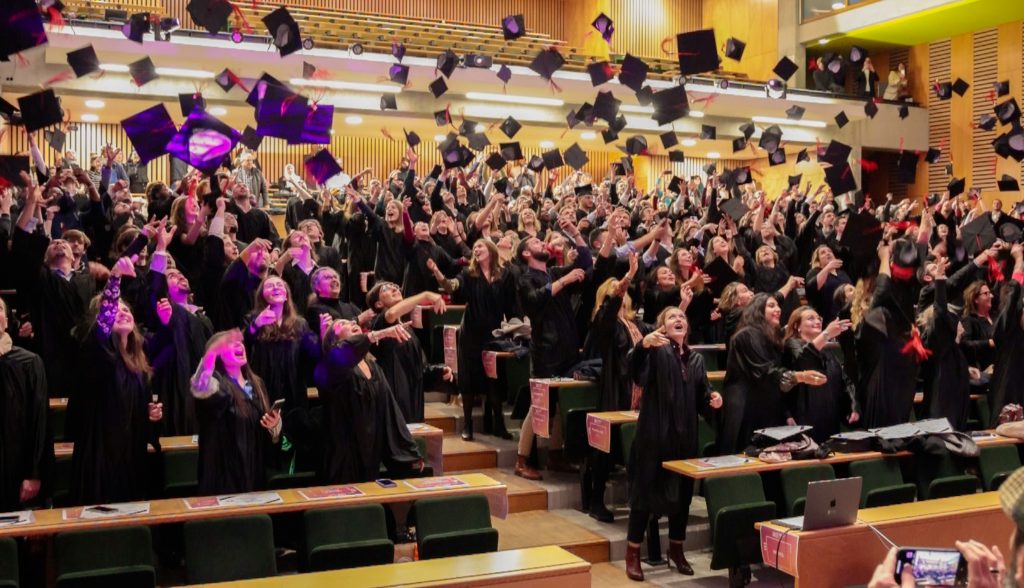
{"points": [[218, 111], [713, 155], [514, 99], [688, 142], [480, 128], [177, 72], [547, 144], [339, 85], [823, 41], [353, 119], [696, 114], [636, 109], [114, 67], [838, 6], [439, 138], [87, 117], [780, 120], [94, 104], [588, 135], [332, 131]]}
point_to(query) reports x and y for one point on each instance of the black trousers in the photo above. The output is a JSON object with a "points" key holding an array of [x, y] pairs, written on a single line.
{"points": [[676, 523]]}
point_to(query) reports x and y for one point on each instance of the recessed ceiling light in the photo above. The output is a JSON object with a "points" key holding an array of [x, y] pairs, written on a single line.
{"points": [[340, 85], [95, 104], [696, 114], [688, 142], [588, 135], [332, 131], [439, 138], [823, 41], [353, 119], [713, 155], [178, 72], [547, 144], [778, 120], [218, 111], [520, 100], [838, 6], [87, 117]]}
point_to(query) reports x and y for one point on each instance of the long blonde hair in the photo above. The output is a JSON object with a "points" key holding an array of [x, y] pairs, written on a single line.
{"points": [[604, 291], [495, 262], [862, 294]]}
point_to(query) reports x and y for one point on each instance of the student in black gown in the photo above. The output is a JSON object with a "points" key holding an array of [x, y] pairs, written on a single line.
{"points": [[947, 381], [978, 342], [1008, 334], [755, 378], [326, 299], [403, 362], [113, 404], [237, 426], [363, 426], [240, 283], [825, 276], [487, 288], [296, 266], [828, 406], [24, 441], [675, 391], [394, 237]]}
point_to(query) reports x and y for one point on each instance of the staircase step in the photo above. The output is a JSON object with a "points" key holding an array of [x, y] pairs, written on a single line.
{"points": [[537, 528], [523, 495], [434, 416]]}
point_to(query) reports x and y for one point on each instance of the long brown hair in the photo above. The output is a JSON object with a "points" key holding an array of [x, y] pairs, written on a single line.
{"points": [[258, 389], [132, 352], [494, 263], [970, 296], [290, 323], [605, 290]]}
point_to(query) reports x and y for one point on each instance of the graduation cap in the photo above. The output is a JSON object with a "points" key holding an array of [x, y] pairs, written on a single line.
{"points": [[956, 187], [738, 144], [513, 27], [795, 112], [149, 132], [547, 62], [536, 163], [40, 110], [645, 95], [504, 73], [670, 104], [1007, 111], [960, 87], [836, 153], [442, 118], [669, 139], [388, 102], [477, 141], [552, 159], [316, 126], [1010, 233], [734, 207], [802, 156], [9, 113], [619, 123], [842, 119], [447, 62], [438, 87], [495, 161], [795, 180], [55, 139], [308, 70], [576, 157], [411, 138], [1007, 183], [22, 25], [398, 50], [636, 145], [284, 31], [987, 122], [698, 52], [281, 113], [676, 156], [398, 73], [585, 113], [741, 175], [142, 71], [190, 102], [857, 54], [11, 167], [862, 235], [467, 127], [904, 111], [511, 151], [457, 156], [777, 157], [944, 91], [84, 61], [228, 80], [675, 185], [448, 142], [203, 141], [606, 106], [510, 127], [212, 15], [734, 48], [906, 165], [932, 155], [322, 166], [585, 189], [785, 68], [840, 178], [978, 235], [136, 27], [770, 139], [251, 139], [747, 129], [709, 169], [633, 73], [721, 274], [870, 108], [600, 72], [604, 25], [708, 132], [1001, 88], [609, 136]]}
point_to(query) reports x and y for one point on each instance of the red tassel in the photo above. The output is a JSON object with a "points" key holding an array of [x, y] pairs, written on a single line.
{"points": [[56, 19], [62, 76], [900, 273], [386, 134], [868, 165], [995, 270], [243, 23], [916, 347], [237, 81]]}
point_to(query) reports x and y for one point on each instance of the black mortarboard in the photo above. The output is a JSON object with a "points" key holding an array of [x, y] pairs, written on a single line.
{"points": [[1008, 183], [709, 169], [604, 25], [978, 235], [547, 62], [457, 156], [721, 274], [842, 119], [747, 129], [609, 136], [734, 207], [251, 139], [552, 159], [670, 104], [576, 157], [571, 119], [511, 151], [495, 161], [870, 108], [315, 126], [284, 31], [741, 175], [785, 68], [9, 112], [837, 153], [398, 73], [698, 52], [960, 87], [956, 187], [857, 54], [636, 145], [55, 139], [633, 73], [22, 25], [586, 188], [513, 27], [388, 102], [536, 163], [510, 127], [477, 141], [504, 73], [600, 72], [734, 48], [227, 80], [438, 87], [1001, 88], [840, 178], [676, 156], [944, 91], [142, 71], [669, 139], [136, 27], [203, 142], [586, 113], [645, 95], [862, 235], [191, 101], [802, 156], [447, 62], [212, 15], [11, 167], [446, 144], [281, 113], [501, 186], [770, 139], [675, 185], [795, 180], [442, 118], [398, 50], [411, 138], [932, 155], [904, 111], [1001, 145], [40, 110], [738, 144], [708, 132], [987, 122], [1007, 111], [84, 61], [308, 70], [619, 123], [907, 167], [606, 106], [467, 127], [777, 157], [795, 112], [322, 166], [149, 132]]}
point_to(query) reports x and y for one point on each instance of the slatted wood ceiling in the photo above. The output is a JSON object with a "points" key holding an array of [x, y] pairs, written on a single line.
{"points": [[641, 25], [938, 115], [985, 72]]}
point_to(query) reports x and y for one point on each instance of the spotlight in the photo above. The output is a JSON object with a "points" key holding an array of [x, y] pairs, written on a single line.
{"points": [[775, 89], [236, 36], [169, 24], [722, 84], [356, 49], [307, 43]]}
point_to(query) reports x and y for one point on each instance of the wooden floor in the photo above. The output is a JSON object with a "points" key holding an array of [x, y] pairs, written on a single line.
{"points": [[523, 495], [535, 528], [464, 456]]}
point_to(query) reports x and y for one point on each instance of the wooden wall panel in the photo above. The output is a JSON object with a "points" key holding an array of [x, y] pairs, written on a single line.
{"points": [[938, 114], [754, 21], [983, 160], [641, 25], [961, 65]]}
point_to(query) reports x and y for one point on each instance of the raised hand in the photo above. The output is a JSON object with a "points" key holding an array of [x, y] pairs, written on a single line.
{"points": [[164, 311], [124, 267]]}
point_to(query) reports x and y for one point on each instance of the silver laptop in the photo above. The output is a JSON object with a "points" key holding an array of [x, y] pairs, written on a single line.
{"points": [[830, 503]]}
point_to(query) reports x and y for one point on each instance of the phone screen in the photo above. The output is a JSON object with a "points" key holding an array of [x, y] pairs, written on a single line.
{"points": [[933, 567], [386, 483]]}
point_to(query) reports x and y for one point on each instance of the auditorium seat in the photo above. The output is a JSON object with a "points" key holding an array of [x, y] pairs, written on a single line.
{"points": [[236, 548], [995, 464], [459, 525], [794, 485], [347, 537], [9, 573], [181, 473], [882, 482], [734, 504], [105, 557], [942, 476], [627, 435]]}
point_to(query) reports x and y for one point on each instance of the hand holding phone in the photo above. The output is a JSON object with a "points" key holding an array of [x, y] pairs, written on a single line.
{"points": [[932, 566], [277, 406]]}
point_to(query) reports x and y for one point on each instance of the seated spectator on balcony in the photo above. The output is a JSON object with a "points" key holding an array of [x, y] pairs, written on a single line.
{"points": [[823, 80], [898, 87], [867, 79]]}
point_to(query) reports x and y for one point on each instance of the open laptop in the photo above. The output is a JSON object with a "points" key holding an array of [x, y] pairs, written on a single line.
{"points": [[830, 503]]}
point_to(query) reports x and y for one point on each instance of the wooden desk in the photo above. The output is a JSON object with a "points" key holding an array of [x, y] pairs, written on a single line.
{"points": [[543, 396], [848, 555], [543, 567], [174, 510], [601, 424]]}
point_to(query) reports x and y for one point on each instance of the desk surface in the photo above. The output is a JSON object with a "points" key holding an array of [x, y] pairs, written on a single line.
{"points": [[501, 567], [175, 510]]}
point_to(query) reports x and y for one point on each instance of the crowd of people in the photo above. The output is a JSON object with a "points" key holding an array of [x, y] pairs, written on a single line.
{"points": [[186, 312]]}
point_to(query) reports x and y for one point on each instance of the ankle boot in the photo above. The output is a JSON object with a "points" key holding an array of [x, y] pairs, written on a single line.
{"points": [[633, 569], [523, 470], [499, 428], [467, 418], [558, 463], [586, 487], [676, 556], [598, 511]]}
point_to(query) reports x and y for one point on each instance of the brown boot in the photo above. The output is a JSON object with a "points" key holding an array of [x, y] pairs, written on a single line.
{"points": [[523, 470], [676, 556], [633, 569], [558, 463]]}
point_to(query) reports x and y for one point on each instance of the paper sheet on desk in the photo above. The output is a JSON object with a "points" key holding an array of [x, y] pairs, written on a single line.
{"points": [[21, 517], [898, 431], [106, 511], [249, 499], [854, 435], [723, 461], [783, 433]]}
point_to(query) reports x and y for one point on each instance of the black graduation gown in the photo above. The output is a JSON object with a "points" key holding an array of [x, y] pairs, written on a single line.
{"points": [[362, 252], [363, 426], [417, 277], [676, 391], [233, 445], [1008, 371], [237, 295], [978, 331], [555, 343], [213, 269], [405, 367], [823, 407], [486, 305], [254, 224], [822, 298], [947, 382], [175, 350], [334, 307], [188, 259], [24, 442], [300, 286], [657, 300], [755, 380], [611, 342], [393, 251]]}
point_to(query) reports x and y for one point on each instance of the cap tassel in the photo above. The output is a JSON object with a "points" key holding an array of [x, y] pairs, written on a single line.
{"points": [[995, 269], [61, 77], [901, 145], [241, 21], [868, 165], [916, 346], [57, 21], [387, 134]]}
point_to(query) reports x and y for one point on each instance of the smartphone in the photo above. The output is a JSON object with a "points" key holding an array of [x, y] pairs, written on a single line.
{"points": [[103, 509], [278, 404], [932, 566], [386, 483]]}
